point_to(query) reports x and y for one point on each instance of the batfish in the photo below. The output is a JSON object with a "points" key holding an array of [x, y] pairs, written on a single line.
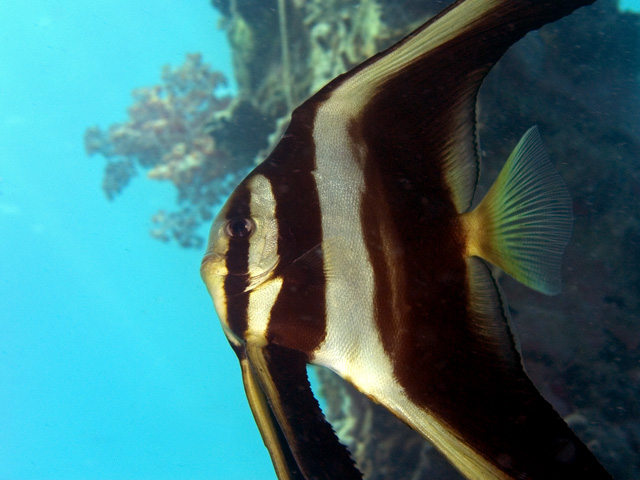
{"points": [[354, 246]]}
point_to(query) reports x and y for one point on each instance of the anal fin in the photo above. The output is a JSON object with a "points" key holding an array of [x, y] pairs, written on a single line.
{"points": [[520, 432]]}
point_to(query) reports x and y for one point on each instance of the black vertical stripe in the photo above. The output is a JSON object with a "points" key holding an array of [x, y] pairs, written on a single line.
{"points": [[298, 317], [237, 263]]}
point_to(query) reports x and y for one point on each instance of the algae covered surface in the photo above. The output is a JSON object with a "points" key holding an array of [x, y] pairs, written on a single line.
{"points": [[577, 79]]}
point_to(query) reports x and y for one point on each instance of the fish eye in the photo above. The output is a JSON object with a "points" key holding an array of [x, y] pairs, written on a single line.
{"points": [[239, 227]]}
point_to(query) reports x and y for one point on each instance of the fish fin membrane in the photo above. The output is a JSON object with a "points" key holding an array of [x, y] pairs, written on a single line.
{"points": [[524, 222], [491, 314], [302, 444]]}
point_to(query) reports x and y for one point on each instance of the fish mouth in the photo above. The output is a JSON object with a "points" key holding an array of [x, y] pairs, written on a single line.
{"points": [[215, 265], [213, 269], [213, 261]]}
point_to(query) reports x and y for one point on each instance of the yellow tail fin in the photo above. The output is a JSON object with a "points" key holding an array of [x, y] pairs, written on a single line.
{"points": [[524, 222]]}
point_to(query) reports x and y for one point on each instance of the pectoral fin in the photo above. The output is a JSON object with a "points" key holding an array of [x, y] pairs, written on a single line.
{"points": [[302, 444]]}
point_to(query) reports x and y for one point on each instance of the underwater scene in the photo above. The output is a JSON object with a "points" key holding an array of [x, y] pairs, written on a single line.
{"points": [[126, 126]]}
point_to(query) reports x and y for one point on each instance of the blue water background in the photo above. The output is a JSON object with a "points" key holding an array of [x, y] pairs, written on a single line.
{"points": [[112, 363]]}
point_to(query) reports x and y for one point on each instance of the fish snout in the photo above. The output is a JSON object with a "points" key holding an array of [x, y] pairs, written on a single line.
{"points": [[213, 265]]}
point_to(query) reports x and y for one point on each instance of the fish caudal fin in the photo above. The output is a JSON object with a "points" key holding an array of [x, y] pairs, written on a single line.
{"points": [[524, 222]]}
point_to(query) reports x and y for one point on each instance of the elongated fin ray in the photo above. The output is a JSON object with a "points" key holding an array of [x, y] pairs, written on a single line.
{"points": [[524, 222], [274, 439], [282, 377]]}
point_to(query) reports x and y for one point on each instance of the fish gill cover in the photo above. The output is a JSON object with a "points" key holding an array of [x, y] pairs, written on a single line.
{"points": [[577, 79]]}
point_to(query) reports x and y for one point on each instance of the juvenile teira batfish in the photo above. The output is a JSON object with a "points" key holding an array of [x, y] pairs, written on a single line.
{"points": [[353, 246]]}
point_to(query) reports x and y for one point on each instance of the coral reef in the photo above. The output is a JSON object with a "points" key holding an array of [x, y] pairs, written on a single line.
{"points": [[167, 135]]}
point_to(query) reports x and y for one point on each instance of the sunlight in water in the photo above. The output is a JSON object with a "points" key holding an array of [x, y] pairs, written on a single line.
{"points": [[632, 5]]}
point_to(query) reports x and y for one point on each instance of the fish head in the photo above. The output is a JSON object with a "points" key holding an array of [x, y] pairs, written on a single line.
{"points": [[242, 253], [248, 268]]}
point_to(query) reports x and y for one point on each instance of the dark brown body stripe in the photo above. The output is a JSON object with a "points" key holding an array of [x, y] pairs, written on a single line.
{"points": [[417, 251], [237, 263], [298, 318]]}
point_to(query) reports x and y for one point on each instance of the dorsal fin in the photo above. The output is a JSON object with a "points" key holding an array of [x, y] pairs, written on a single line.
{"points": [[419, 95]]}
